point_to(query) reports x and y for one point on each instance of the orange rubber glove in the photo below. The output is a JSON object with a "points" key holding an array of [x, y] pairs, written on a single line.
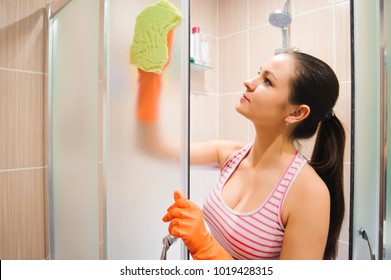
{"points": [[149, 89], [187, 222]]}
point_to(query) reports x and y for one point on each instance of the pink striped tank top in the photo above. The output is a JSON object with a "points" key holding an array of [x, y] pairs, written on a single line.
{"points": [[255, 235]]}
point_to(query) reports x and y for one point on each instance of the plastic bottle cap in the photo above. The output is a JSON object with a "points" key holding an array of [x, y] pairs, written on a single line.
{"points": [[195, 29]]}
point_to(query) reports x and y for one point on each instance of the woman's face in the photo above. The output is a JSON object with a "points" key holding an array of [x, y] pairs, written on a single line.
{"points": [[265, 101]]}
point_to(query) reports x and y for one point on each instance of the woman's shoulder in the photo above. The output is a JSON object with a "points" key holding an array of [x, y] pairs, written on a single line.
{"points": [[309, 182], [308, 194], [228, 148]]}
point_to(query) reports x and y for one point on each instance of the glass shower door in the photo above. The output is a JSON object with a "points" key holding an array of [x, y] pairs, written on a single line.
{"points": [[141, 180], [73, 87], [367, 134], [387, 86], [108, 191], [371, 234]]}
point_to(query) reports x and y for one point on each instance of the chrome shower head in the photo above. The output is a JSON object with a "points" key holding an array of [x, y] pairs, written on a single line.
{"points": [[280, 19]]}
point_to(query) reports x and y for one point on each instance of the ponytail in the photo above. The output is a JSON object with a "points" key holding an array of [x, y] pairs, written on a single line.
{"points": [[327, 160], [316, 85]]}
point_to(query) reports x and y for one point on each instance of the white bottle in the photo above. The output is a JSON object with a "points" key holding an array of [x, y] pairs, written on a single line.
{"points": [[197, 44], [205, 52], [191, 47]]}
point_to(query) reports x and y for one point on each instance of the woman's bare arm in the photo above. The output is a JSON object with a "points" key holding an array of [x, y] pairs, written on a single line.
{"points": [[212, 153], [209, 153]]}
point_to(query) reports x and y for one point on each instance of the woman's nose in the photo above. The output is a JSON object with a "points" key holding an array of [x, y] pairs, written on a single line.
{"points": [[247, 84]]}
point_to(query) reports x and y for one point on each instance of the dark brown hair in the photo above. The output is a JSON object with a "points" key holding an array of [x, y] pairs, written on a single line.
{"points": [[316, 85]]}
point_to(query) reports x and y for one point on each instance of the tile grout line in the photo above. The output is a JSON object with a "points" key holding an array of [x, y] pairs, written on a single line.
{"points": [[23, 169]]}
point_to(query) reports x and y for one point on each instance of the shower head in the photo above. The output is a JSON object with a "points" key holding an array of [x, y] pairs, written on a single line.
{"points": [[280, 19]]}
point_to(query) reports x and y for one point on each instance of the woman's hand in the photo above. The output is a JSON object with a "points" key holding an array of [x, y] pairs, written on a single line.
{"points": [[187, 223]]}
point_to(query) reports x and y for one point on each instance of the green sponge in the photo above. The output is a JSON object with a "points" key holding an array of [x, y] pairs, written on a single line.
{"points": [[149, 50]]}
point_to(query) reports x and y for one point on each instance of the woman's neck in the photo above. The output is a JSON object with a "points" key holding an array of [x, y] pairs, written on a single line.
{"points": [[269, 148]]}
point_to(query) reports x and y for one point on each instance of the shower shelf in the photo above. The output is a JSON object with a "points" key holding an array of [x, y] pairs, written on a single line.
{"points": [[200, 66]]}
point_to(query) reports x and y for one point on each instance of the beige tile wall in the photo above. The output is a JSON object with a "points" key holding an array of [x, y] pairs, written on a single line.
{"points": [[22, 214], [23, 162], [204, 93], [244, 40]]}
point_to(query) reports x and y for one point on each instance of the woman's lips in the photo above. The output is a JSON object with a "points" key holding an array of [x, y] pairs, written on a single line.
{"points": [[245, 98]]}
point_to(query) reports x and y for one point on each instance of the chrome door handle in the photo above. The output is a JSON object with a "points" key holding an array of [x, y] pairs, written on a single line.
{"points": [[167, 242], [363, 233]]}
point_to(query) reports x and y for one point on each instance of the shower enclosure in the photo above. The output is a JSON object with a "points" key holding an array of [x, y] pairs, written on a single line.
{"points": [[108, 195], [370, 236]]}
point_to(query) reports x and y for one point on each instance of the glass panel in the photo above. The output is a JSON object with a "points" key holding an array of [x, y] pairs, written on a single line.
{"points": [[387, 223], [367, 126], [74, 131], [140, 181]]}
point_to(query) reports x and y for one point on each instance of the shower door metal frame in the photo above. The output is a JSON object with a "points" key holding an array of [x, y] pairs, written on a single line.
{"points": [[383, 134]]}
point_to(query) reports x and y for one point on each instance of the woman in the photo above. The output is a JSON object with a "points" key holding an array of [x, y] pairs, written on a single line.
{"points": [[270, 203]]}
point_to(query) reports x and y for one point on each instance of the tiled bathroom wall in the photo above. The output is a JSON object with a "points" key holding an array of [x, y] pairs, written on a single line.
{"points": [[241, 39], [23, 160], [24, 128]]}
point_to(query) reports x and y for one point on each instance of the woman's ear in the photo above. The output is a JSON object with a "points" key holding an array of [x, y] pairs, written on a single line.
{"points": [[300, 113]]}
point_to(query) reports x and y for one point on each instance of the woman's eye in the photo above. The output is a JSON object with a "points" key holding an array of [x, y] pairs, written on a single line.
{"points": [[267, 82]]}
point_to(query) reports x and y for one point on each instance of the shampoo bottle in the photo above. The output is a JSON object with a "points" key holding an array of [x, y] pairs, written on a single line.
{"points": [[196, 45]]}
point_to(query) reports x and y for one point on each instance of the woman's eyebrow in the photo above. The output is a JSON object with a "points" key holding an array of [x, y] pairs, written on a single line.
{"points": [[268, 73]]}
